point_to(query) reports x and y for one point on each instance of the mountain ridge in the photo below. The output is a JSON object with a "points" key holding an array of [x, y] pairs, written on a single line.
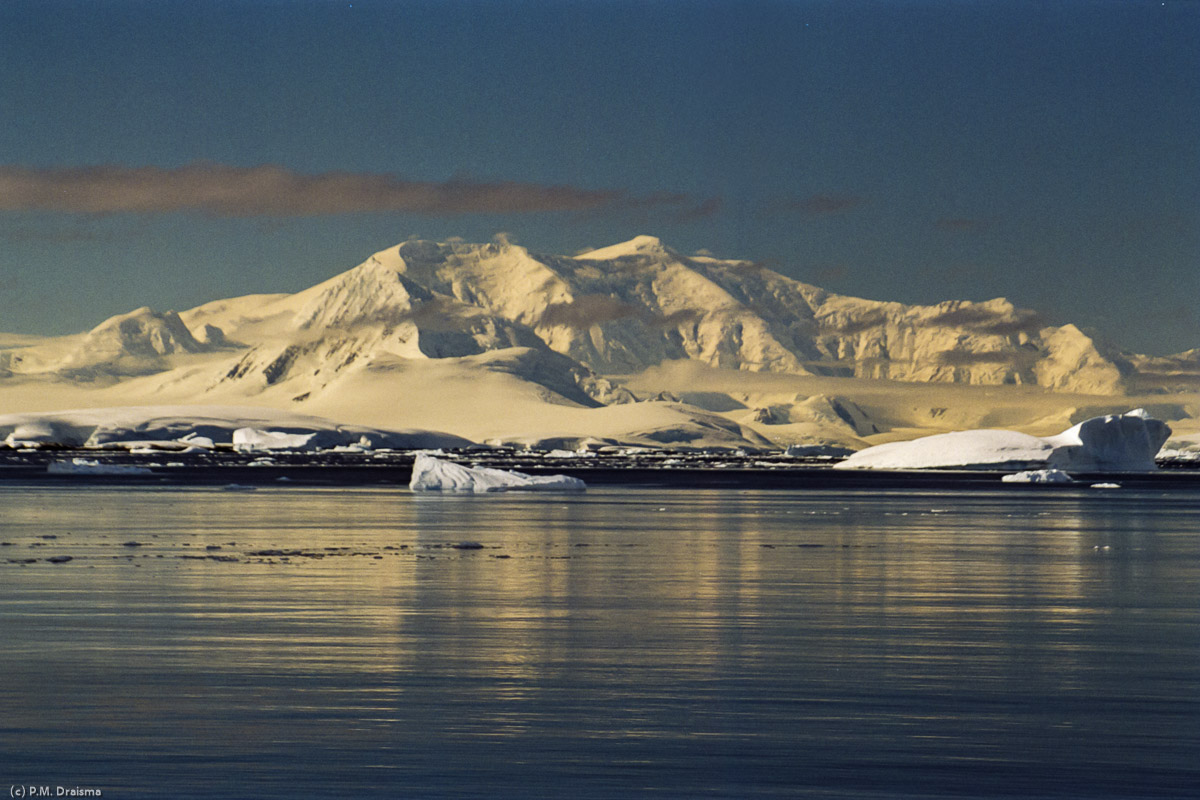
{"points": [[566, 327], [619, 309]]}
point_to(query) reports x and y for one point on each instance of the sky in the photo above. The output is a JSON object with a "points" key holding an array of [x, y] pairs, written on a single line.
{"points": [[171, 152]]}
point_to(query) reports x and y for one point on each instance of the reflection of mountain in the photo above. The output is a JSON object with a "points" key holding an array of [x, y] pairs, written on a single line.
{"points": [[556, 325]]}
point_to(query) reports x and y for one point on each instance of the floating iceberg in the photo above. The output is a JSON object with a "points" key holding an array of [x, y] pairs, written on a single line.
{"points": [[1039, 476], [1118, 442], [84, 466], [434, 474], [1114, 443]]}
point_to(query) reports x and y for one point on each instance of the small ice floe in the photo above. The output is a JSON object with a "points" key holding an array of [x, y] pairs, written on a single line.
{"points": [[238, 487], [86, 466], [1106, 486], [434, 474], [1038, 476], [196, 443]]}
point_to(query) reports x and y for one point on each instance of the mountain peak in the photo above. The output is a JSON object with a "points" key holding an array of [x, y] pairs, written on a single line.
{"points": [[638, 245]]}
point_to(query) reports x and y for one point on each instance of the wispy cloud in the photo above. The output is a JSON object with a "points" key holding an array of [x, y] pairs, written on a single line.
{"points": [[831, 274], [587, 310], [1020, 359], [20, 234], [983, 320], [818, 205], [695, 211], [273, 191], [962, 224], [850, 325]]}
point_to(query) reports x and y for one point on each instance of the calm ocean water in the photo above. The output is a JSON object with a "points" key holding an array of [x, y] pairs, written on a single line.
{"points": [[624, 643]]}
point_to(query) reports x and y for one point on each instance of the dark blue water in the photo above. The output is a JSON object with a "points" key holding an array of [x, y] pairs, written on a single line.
{"points": [[623, 643]]}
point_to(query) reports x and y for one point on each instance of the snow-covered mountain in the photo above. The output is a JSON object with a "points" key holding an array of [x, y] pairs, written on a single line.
{"points": [[624, 308], [556, 330]]}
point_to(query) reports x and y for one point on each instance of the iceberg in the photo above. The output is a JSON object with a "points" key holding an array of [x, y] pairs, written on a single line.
{"points": [[253, 440], [1113, 443], [1118, 442], [1038, 476], [434, 474]]}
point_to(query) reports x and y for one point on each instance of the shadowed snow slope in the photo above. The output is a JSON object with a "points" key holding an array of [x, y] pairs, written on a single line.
{"points": [[1117, 442]]}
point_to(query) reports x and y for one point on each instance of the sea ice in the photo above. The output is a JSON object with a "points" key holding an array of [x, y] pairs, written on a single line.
{"points": [[434, 474]]}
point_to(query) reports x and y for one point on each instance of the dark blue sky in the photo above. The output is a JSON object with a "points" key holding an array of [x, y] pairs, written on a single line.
{"points": [[906, 150]]}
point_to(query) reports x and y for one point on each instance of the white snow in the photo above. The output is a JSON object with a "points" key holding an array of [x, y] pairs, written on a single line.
{"points": [[1114, 443], [1038, 476], [435, 474], [253, 440], [959, 449]]}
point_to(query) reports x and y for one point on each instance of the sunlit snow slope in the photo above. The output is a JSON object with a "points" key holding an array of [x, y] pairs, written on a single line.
{"points": [[495, 341]]}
